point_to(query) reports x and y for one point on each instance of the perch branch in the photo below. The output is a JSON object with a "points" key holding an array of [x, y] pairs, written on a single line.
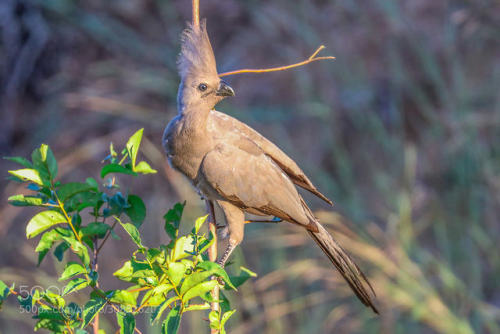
{"points": [[196, 13], [212, 255], [212, 225], [311, 59]]}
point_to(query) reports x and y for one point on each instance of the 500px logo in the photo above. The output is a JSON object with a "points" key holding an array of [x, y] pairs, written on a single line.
{"points": [[25, 291]]}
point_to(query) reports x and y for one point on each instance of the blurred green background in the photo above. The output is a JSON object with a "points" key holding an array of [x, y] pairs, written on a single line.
{"points": [[401, 131]]}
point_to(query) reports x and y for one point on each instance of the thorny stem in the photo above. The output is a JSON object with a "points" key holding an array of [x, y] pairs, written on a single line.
{"points": [[311, 59]]}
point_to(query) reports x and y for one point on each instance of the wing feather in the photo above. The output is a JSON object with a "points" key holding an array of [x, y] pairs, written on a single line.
{"points": [[296, 175], [248, 178]]}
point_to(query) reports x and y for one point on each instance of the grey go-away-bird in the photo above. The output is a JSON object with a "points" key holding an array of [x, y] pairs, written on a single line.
{"points": [[235, 167]]}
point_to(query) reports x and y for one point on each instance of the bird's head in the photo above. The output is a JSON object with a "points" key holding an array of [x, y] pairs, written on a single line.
{"points": [[200, 85]]}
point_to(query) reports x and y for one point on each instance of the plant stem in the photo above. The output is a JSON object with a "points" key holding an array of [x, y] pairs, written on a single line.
{"points": [[212, 255], [61, 206], [106, 236], [311, 59], [95, 267], [196, 13]]}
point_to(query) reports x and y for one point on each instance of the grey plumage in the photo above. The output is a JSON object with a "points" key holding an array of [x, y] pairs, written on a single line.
{"points": [[234, 166]]}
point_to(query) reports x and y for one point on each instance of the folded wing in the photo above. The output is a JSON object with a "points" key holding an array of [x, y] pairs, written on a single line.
{"points": [[242, 174], [231, 125]]}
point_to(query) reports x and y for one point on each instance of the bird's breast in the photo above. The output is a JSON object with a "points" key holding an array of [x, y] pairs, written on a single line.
{"points": [[184, 146]]}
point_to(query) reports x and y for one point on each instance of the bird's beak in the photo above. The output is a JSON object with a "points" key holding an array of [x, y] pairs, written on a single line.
{"points": [[224, 89]]}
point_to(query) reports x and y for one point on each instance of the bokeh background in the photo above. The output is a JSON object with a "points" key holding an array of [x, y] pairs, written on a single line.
{"points": [[402, 131]]}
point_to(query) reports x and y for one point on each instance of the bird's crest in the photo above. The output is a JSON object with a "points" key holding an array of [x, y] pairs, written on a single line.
{"points": [[197, 56]]}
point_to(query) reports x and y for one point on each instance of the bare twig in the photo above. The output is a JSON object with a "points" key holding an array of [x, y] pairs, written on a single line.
{"points": [[311, 59], [196, 13]]}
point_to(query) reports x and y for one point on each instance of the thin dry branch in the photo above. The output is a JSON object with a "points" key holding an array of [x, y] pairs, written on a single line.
{"points": [[311, 59], [196, 13]]}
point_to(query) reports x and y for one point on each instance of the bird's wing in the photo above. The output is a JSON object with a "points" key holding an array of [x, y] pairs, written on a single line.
{"points": [[228, 123], [242, 174]]}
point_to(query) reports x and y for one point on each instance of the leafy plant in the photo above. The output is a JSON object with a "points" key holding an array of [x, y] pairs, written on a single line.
{"points": [[170, 280]]}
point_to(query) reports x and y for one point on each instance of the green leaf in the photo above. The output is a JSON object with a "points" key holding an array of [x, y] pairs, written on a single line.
{"points": [[171, 323], [45, 162], [51, 325], [21, 200], [133, 146], [176, 271], [28, 175], [125, 272], [93, 183], [20, 160], [204, 243], [144, 168], [155, 254], [50, 160], [115, 168], [54, 299], [209, 268], [47, 241], [137, 210], [133, 232], [96, 228], [162, 288], [73, 310], [126, 321], [91, 308], [75, 285], [72, 269], [68, 190], [225, 317], [178, 251], [171, 230], [132, 270], [197, 307], [199, 223], [124, 297], [244, 275], [223, 302], [4, 292], [213, 317], [159, 310], [60, 250], [42, 221], [198, 290], [174, 215], [152, 299], [79, 249], [49, 313]]}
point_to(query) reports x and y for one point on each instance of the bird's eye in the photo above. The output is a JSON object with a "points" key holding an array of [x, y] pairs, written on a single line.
{"points": [[203, 87]]}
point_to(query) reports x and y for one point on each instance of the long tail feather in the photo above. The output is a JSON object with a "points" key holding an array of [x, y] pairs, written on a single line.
{"points": [[345, 265]]}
